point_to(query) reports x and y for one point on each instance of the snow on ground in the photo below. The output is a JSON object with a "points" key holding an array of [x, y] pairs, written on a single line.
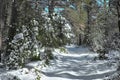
{"points": [[77, 64]]}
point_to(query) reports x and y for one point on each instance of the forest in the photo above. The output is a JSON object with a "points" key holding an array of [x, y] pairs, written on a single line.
{"points": [[59, 39]]}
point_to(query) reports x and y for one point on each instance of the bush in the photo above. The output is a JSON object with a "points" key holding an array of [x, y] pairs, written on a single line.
{"points": [[9, 77]]}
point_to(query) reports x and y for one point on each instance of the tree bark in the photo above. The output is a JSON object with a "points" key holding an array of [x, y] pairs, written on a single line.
{"points": [[118, 13], [119, 20], [2, 23], [51, 7], [5, 20], [86, 39]]}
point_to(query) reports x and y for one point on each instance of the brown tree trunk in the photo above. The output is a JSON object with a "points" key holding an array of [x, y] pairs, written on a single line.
{"points": [[86, 39], [119, 21], [51, 7], [11, 29], [2, 23], [118, 12], [5, 19]]}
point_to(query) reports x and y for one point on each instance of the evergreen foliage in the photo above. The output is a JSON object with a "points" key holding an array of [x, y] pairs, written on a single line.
{"points": [[33, 30]]}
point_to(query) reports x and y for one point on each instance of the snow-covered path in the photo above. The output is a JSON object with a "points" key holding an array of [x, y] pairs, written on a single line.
{"points": [[78, 64]]}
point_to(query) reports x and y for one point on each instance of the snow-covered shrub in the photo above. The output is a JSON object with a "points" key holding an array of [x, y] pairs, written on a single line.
{"points": [[56, 31], [23, 46], [115, 76], [8, 77], [22, 43], [98, 40], [115, 42], [51, 32]]}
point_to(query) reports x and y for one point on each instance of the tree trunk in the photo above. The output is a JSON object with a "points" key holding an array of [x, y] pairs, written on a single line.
{"points": [[86, 39], [2, 23], [118, 13], [51, 7], [119, 21], [119, 25], [5, 20], [79, 42]]}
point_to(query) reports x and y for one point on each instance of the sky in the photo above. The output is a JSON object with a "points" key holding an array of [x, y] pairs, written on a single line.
{"points": [[57, 9], [100, 2]]}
